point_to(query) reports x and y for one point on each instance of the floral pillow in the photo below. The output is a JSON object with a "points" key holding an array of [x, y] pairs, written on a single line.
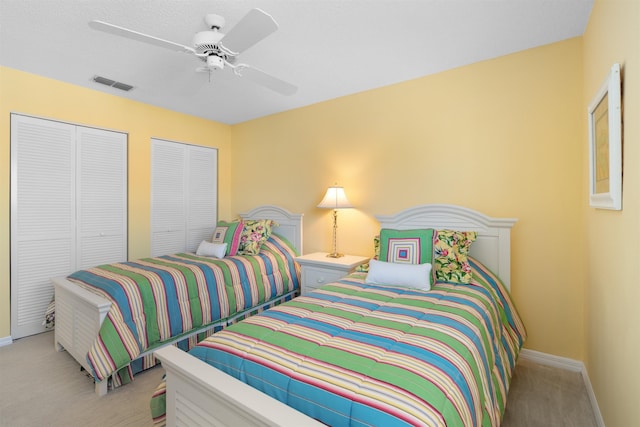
{"points": [[254, 233], [376, 247], [451, 250], [364, 268]]}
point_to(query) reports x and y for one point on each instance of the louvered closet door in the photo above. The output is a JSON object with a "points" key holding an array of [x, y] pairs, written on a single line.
{"points": [[184, 182], [102, 201], [68, 209], [202, 195], [168, 202], [43, 233]]}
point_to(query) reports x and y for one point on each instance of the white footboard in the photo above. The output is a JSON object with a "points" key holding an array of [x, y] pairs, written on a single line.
{"points": [[201, 395], [79, 315]]}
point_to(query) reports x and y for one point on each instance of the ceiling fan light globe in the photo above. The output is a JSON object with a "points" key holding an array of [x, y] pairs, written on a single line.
{"points": [[214, 62]]}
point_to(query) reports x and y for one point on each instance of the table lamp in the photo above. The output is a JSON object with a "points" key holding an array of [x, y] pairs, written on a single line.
{"points": [[335, 199]]}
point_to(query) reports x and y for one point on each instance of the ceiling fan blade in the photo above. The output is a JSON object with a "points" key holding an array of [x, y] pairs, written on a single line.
{"points": [[134, 35], [266, 80], [252, 28]]}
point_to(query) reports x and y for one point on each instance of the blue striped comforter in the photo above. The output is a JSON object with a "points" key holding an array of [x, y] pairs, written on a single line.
{"points": [[159, 299], [354, 354]]}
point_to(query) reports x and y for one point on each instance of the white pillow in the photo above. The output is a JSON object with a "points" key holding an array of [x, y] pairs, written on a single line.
{"points": [[395, 274], [216, 250]]}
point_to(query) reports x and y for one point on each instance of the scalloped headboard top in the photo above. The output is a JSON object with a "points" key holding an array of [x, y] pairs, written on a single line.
{"points": [[492, 247], [290, 224]]}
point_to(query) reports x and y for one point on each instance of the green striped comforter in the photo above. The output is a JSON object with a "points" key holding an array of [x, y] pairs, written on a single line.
{"points": [[159, 299], [353, 354]]}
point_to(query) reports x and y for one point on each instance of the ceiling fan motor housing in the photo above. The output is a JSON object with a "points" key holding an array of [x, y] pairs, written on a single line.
{"points": [[207, 41]]}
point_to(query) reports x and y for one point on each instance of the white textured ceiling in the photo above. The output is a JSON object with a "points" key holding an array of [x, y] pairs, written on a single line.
{"points": [[328, 48]]}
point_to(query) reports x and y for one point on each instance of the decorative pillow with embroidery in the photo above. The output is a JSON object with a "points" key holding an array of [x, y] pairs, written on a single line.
{"points": [[451, 250], [407, 247], [229, 233], [254, 233]]}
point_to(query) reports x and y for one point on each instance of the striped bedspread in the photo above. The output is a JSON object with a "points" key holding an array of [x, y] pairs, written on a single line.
{"points": [[157, 299], [352, 354]]}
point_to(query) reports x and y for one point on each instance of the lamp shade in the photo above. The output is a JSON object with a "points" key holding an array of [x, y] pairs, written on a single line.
{"points": [[335, 199]]}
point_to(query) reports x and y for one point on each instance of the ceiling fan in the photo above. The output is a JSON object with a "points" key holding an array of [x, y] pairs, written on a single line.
{"points": [[216, 49]]}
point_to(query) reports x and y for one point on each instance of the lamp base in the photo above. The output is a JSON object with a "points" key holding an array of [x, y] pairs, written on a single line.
{"points": [[335, 255]]}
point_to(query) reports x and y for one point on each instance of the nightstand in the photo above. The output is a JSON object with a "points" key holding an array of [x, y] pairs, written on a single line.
{"points": [[318, 269]]}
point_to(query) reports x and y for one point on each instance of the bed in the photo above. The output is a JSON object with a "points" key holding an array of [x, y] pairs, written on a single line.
{"points": [[360, 353], [101, 330]]}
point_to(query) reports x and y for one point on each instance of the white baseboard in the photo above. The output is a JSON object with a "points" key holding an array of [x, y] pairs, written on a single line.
{"points": [[592, 398], [570, 365], [5, 341], [551, 360]]}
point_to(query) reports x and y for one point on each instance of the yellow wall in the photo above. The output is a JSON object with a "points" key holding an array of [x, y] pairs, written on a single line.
{"points": [[503, 136], [612, 266], [37, 96]]}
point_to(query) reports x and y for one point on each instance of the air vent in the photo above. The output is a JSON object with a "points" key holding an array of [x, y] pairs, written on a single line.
{"points": [[112, 83]]}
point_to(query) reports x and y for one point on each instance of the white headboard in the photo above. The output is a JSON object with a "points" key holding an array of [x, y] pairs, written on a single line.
{"points": [[290, 225], [492, 247]]}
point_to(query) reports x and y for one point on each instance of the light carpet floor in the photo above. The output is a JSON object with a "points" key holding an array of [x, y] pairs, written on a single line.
{"points": [[42, 387]]}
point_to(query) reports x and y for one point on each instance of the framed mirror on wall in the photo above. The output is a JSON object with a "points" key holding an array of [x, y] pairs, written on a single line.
{"points": [[605, 144]]}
